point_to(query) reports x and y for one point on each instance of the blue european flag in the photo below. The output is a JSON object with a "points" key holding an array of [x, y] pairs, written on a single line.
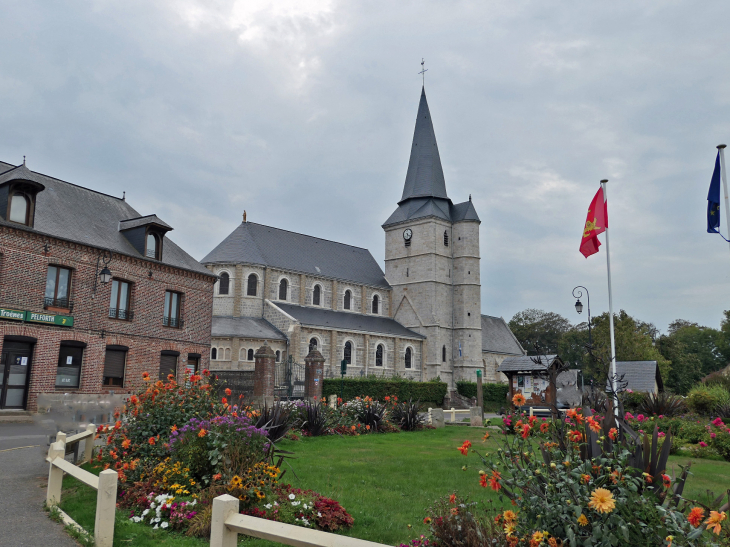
{"points": [[713, 200]]}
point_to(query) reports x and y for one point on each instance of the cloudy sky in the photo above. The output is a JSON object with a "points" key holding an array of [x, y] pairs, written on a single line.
{"points": [[302, 113]]}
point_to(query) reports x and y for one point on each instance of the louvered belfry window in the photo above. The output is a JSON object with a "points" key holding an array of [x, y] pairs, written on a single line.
{"points": [[114, 362], [446, 239]]}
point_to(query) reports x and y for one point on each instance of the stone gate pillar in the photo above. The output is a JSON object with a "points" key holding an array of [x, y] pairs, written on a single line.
{"points": [[313, 375], [263, 379]]}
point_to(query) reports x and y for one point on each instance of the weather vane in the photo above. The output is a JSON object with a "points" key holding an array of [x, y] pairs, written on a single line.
{"points": [[423, 71]]}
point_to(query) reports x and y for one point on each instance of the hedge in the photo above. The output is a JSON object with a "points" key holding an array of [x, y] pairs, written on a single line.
{"points": [[493, 394], [377, 388]]}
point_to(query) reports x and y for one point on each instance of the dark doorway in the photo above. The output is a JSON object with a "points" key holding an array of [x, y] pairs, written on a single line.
{"points": [[15, 364]]}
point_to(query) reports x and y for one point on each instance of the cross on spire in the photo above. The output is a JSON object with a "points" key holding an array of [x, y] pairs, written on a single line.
{"points": [[423, 71]]}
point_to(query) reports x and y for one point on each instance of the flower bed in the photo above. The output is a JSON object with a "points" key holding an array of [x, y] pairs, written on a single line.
{"points": [[177, 446]]}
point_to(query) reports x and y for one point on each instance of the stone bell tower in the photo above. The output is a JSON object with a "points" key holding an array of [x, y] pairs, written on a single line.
{"points": [[432, 262]]}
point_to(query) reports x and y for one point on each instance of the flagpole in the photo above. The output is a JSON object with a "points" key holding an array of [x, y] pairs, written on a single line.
{"points": [[610, 312], [721, 148]]}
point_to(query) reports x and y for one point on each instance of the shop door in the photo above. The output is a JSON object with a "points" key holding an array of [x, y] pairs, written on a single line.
{"points": [[15, 364]]}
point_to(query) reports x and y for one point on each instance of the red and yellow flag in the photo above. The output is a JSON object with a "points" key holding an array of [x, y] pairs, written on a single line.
{"points": [[596, 223]]}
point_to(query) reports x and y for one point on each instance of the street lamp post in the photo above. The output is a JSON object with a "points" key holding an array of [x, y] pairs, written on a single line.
{"points": [[105, 276], [579, 308]]}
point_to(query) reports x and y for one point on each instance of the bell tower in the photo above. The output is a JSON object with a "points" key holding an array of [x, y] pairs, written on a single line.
{"points": [[432, 262]]}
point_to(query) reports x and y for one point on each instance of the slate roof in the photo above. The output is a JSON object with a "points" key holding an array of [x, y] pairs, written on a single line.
{"points": [[425, 176], [253, 243], [245, 327], [85, 216], [524, 363], [640, 375], [498, 338], [321, 317]]}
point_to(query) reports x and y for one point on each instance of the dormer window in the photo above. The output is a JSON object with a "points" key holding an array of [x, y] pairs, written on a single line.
{"points": [[146, 234], [19, 208]]}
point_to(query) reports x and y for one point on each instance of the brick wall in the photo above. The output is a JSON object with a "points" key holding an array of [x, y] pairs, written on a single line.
{"points": [[23, 267]]}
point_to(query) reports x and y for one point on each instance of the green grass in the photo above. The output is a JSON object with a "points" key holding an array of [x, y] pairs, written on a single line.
{"points": [[386, 482]]}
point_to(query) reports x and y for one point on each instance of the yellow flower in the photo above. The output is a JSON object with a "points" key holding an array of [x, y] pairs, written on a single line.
{"points": [[509, 516], [602, 501], [509, 530], [714, 521], [537, 537], [582, 520]]}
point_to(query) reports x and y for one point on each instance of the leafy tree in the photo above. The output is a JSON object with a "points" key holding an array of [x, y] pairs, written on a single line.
{"points": [[572, 346], [545, 328], [634, 342], [686, 366]]}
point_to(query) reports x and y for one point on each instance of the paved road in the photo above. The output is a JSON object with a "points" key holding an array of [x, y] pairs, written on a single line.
{"points": [[23, 476]]}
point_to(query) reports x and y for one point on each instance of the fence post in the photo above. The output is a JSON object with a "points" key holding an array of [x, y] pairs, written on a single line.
{"points": [[89, 446], [223, 507], [106, 503], [55, 475]]}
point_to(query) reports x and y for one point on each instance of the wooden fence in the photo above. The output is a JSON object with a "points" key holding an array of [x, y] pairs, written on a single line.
{"points": [[105, 484], [227, 523]]}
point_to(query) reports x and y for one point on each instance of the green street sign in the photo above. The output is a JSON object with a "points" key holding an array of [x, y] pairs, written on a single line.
{"points": [[49, 319], [343, 367], [15, 315]]}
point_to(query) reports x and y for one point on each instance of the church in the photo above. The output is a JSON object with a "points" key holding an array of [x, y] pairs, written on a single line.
{"points": [[420, 319]]}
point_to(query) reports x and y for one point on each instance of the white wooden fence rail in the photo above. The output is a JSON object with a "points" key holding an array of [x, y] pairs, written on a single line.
{"points": [[227, 523], [105, 484]]}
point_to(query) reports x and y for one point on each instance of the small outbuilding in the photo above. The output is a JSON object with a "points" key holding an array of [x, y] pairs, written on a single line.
{"points": [[642, 376]]}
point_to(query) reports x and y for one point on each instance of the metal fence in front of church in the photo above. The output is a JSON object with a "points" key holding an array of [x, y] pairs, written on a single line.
{"points": [[289, 380]]}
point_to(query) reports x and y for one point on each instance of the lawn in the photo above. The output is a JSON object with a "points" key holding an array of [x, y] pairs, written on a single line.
{"points": [[386, 482]]}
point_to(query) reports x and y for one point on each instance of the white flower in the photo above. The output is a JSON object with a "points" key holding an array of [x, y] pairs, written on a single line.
{"points": [[319, 514], [295, 503], [152, 505], [155, 527], [268, 506], [292, 496], [276, 503], [305, 505], [164, 525], [144, 513], [305, 522]]}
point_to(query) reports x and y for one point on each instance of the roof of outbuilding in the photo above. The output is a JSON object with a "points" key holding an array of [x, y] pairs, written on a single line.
{"points": [[341, 320], [85, 216], [498, 338], [639, 375], [245, 327], [253, 243], [525, 363]]}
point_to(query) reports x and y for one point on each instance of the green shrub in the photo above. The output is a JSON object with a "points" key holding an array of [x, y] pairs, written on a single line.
{"points": [[693, 432], [720, 438], [494, 395], [378, 388], [632, 400], [704, 399]]}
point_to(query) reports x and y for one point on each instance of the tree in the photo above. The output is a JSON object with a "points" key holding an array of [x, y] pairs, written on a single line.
{"points": [[572, 346], [686, 366], [545, 328], [634, 342]]}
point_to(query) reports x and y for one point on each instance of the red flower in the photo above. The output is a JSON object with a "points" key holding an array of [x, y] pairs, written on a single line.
{"points": [[151, 441], [224, 401], [145, 376], [525, 431], [206, 372], [575, 436], [228, 392], [667, 481], [452, 498], [613, 433], [494, 481], [695, 516], [544, 427], [483, 481], [464, 448]]}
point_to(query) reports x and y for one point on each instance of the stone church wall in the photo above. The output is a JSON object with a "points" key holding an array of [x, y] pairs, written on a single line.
{"points": [[251, 306], [223, 303]]}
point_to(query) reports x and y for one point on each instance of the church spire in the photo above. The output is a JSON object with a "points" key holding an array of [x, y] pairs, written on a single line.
{"points": [[425, 177]]}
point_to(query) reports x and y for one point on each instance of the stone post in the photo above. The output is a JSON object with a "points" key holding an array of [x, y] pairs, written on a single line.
{"points": [[437, 417], [476, 416], [220, 535], [480, 392], [263, 379], [313, 375], [89, 443], [55, 474]]}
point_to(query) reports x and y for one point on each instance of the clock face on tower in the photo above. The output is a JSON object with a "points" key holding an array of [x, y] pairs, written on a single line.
{"points": [[407, 234]]}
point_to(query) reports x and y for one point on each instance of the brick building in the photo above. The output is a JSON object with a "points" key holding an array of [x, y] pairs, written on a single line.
{"points": [[91, 293], [421, 318]]}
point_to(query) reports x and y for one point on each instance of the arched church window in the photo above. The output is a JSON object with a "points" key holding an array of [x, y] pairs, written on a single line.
{"points": [[283, 287], [278, 356], [316, 295], [446, 238], [347, 301], [347, 356], [312, 344], [376, 303], [252, 285], [223, 283], [379, 356], [250, 355], [443, 354], [408, 358], [213, 354]]}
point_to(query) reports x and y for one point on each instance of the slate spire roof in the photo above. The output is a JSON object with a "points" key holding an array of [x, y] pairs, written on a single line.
{"points": [[425, 176], [424, 193]]}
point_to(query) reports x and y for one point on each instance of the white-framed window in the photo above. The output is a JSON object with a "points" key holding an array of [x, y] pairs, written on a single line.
{"points": [[317, 295], [347, 300], [252, 284], [408, 357], [375, 304], [224, 286], [349, 351], [284, 289]]}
